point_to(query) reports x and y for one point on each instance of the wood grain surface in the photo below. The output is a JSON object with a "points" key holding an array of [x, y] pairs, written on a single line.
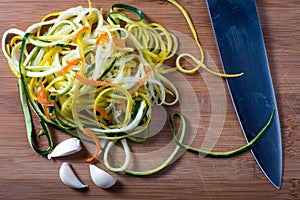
{"points": [[26, 175]]}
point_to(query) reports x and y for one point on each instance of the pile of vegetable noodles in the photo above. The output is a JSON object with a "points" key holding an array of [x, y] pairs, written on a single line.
{"points": [[100, 77]]}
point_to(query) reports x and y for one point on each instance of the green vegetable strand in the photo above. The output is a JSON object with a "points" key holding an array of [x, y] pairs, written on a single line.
{"points": [[29, 124], [212, 153]]}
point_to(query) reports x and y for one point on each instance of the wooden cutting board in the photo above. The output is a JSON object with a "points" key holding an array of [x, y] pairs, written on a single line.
{"points": [[26, 175]]}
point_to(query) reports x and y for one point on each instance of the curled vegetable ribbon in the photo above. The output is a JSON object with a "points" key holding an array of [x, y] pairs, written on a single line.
{"points": [[199, 62], [218, 154]]}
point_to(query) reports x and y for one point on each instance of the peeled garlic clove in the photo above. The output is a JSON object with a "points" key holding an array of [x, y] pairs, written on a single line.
{"points": [[101, 178], [65, 148], [68, 176]]}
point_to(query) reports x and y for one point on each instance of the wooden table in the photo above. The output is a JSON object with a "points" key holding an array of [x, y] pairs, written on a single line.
{"points": [[26, 175]]}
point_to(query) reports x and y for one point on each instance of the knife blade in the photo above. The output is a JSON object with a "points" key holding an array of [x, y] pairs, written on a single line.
{"points": [[241, 48]]}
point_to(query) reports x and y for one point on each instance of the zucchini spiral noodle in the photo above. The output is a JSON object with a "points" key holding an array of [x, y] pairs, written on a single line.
{"points": [[100, 77]]}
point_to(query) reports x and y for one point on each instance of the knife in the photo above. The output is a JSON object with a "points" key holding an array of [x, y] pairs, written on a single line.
{"points": [[241, 48]]}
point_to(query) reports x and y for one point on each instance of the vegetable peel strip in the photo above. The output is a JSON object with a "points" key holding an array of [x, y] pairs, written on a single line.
{"points": [[91, 82], [85, 28], [219, 154], [69, 65], [142, 81], [29, 125], [96, 140], [201, 61]]}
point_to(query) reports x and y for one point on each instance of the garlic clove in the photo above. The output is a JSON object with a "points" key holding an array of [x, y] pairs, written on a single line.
{"points": [[68, 176], [101, 178], [65, 148]]}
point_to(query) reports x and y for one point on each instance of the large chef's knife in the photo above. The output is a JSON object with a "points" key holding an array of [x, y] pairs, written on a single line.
{"points": [[241, 48]]}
